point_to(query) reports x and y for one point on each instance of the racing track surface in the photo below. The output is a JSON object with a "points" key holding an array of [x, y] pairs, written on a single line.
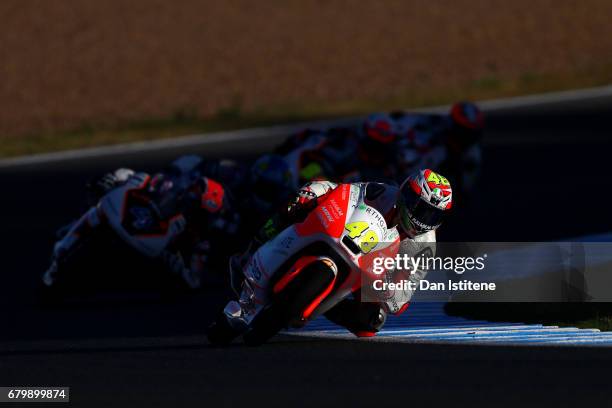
{"points": [[539, 162]]}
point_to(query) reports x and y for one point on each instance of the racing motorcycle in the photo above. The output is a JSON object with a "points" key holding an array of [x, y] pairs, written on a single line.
{"points": [[304, 161], [307, 268], [133, 226]]}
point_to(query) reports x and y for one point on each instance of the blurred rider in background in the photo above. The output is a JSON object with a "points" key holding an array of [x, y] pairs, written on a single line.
{"points": [[250, 195], [390, 146], [450, 143], [206, 205]]}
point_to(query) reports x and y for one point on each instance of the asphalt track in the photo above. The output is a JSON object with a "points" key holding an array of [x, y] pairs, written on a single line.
{"points": [[545, 176]]}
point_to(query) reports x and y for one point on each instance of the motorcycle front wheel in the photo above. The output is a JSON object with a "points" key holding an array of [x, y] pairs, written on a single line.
{"points": [[289, 306]]}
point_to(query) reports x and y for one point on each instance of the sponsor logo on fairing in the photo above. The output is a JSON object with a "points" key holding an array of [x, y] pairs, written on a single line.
{"points": [[338, 211], [377, 217], [327, 214], [322, 219]]}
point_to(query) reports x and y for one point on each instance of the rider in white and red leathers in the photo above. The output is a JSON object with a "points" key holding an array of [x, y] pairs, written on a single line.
{"points": [[207, 206], [262, 189], [417, 206], [389, 147]]}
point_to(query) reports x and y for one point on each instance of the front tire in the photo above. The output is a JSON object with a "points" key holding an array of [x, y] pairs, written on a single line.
{"points": [[287, 309]]}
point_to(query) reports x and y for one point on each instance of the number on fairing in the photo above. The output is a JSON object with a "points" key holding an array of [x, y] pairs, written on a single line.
{"points": [[357, 228], [369, 240]]}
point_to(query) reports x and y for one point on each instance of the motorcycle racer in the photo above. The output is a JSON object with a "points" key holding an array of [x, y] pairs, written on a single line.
{"points": [[206, 205], [418, 207], [262, 187], [451, 143], [315, 154], [391, 146], [266, 190], [261, 192]]}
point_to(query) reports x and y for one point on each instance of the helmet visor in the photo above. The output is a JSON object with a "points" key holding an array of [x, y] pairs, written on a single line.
{"points": [[418, 215]]}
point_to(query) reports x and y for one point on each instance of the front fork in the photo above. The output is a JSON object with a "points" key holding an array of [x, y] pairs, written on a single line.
{"points": [[240, 313]]}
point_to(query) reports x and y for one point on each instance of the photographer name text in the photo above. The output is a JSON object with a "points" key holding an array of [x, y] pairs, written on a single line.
{"points": [[405, 284]]}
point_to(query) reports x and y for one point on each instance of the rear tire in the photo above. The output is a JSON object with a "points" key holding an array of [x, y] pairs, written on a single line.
{"points": [[289, 305]]}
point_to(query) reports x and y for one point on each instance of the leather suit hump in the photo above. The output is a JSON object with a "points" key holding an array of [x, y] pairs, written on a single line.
{"points": [[383, 197]]}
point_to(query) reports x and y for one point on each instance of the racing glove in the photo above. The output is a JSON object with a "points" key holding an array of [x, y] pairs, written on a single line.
{"points": [[97, 187]]}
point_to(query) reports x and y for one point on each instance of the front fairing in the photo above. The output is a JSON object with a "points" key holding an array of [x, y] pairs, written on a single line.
{"points": [[353, 231], [136, 222]]}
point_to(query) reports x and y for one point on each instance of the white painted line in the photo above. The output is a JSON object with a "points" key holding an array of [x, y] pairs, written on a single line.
{"points": [[280, 131], [177, 142], [547, 98], [565, 336]]}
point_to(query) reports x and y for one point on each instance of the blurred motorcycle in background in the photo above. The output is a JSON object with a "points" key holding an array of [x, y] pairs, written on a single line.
{"points": [[146, 225]]}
